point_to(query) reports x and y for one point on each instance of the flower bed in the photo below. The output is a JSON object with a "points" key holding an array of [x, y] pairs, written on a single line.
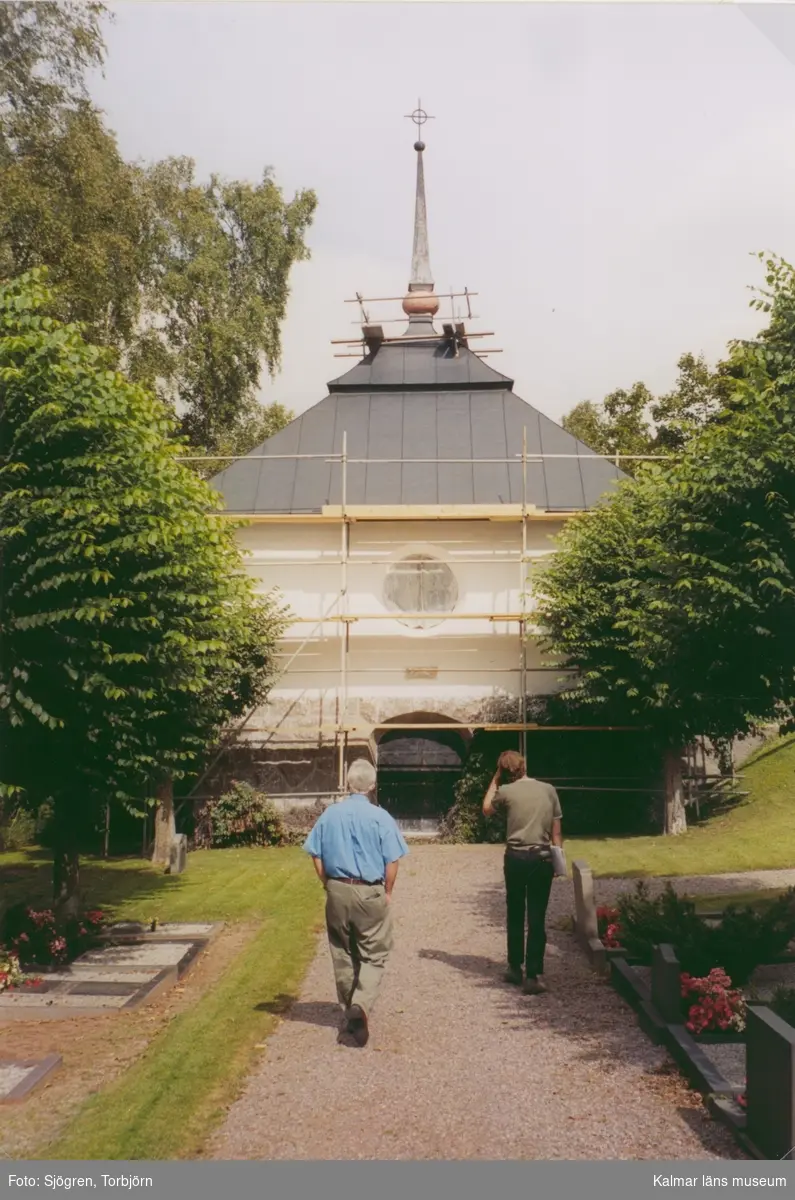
{"points": [[713, 1005], [11, 974], [743, 939], [36, 936], [608, 927]]}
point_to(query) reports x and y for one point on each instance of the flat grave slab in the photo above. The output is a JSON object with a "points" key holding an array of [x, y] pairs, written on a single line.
{"points": [[18, 1079], [114, 977], [69, 993], [729, 1059], [144, 955]]}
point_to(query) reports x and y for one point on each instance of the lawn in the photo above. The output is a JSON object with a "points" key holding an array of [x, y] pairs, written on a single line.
{"points": [[755, 834], [219, 885], [166, 1103]]}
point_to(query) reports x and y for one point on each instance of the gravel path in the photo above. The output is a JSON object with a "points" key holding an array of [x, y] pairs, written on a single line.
{"points": [[459, 1065]]}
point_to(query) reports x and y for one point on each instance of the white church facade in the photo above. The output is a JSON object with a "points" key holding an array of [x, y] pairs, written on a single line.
{"points": [[401, 519]]}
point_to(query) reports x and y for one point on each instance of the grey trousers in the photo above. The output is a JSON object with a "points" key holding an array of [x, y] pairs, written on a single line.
{"points": [[359, 925]]}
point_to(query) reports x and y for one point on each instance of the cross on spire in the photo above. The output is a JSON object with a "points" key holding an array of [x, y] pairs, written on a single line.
{"points": [[419, 117], [424, 304]]}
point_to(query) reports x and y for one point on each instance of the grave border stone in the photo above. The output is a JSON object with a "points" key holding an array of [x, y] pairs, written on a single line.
{"points": [[666, 988], [38, 1069], [770, 1085]]}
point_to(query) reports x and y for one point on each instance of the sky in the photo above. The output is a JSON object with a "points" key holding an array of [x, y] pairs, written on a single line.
{"points": [[601, 175]]}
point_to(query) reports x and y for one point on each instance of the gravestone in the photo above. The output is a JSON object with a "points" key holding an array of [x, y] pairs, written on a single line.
{"points": [[586, 925], [770, 1083], [666, 989], [113, 977], [152, 955], [84, 991], [178, 855]]}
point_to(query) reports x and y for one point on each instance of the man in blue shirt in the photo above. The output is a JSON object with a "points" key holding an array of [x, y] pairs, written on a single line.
{"points": [[356, 848]]}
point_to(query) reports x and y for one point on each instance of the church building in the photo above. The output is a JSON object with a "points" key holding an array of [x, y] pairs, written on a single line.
{"points": [[401, 518]]}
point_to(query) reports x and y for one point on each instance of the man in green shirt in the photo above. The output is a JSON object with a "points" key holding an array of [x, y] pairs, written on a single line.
{"points": [[534, 824]]}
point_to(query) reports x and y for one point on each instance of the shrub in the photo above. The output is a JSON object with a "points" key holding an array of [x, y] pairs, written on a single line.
{"points": [[17, 829], [712, 1003], [241, 817], [465, 821], [297, 824], [744, 939], [37, 936], [10, 971]]}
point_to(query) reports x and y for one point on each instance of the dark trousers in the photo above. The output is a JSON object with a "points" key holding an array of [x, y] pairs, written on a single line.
{"points": [[528, 883]]}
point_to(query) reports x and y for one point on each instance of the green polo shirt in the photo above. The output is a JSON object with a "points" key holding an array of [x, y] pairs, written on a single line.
{"points": [[531, 808]]}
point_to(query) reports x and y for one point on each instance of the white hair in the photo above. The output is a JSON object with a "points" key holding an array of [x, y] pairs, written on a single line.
{"points": [[361, 776]]}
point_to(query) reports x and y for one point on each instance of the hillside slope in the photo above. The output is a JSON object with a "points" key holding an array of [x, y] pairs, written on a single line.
{"points": [[755, 834]]}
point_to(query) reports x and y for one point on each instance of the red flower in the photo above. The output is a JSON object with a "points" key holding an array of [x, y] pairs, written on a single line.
{"points": [[712, 1003], [608, 926]]}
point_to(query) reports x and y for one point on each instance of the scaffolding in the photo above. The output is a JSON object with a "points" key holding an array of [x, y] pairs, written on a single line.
{"points": [[371, 336], [338, 613]]}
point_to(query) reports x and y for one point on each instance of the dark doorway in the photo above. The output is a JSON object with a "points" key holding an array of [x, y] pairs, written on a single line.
{"points": [[417, 774]]}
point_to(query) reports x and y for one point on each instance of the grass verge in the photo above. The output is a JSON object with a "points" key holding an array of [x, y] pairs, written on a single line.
{"points": [[167, 1103], [758, 833]]}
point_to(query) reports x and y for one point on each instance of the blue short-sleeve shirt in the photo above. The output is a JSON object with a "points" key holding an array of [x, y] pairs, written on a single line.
{"points": [[356, 840]]}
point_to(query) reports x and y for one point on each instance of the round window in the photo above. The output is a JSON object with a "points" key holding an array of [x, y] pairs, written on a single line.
{"points": [[420, 584]]}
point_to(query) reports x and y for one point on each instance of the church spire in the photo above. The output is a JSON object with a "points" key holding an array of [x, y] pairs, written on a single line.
{"points": [[421, 301]]}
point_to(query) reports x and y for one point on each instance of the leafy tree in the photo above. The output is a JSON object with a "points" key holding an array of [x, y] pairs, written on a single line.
{"points": [[262, 423], [636, 422], [46, 49], [697, 398], [69, 201], [675, 599], [186, 281], [587, 422], [129, 631], [221, 254], [619, 425]]}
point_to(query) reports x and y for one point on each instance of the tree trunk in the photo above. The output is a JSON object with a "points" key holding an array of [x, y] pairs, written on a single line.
{"points": [[674, 817], [65, 865], [165, 825]]}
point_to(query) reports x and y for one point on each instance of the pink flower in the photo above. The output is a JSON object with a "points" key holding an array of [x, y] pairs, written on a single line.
{"points": [[713, 1003]]}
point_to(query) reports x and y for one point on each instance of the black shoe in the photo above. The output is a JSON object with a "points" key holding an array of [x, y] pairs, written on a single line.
{"points": [[357, 1025], [513, 975]]}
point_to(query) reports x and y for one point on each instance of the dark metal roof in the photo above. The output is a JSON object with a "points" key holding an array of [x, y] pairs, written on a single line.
{"points": [[418, 401], [407, 365]]}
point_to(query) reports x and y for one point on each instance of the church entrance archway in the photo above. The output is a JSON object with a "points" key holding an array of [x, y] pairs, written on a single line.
{"points": [[418, 766]]}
